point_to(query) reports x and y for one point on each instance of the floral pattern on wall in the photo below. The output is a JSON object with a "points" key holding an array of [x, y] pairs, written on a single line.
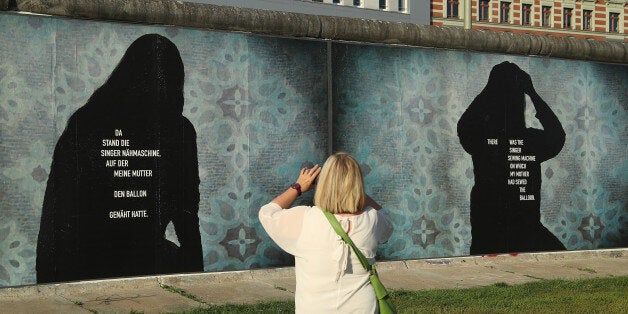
{"points": [[259, 106], [397, 109]]}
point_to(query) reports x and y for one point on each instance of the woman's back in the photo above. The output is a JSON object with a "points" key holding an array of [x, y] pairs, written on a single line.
{"points": [[328, 274], [329, 277]]}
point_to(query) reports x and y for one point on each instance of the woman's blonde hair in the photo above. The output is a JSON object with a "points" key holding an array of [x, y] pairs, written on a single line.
{"points": [[340, 188]]}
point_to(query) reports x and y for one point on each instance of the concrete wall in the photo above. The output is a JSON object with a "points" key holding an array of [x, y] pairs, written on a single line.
{"points": [[207, 16], [418, 11], [260, 106]]}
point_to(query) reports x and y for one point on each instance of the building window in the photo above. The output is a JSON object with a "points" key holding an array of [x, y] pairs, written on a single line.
{"points": [[336, 1], [504, 12], [587, 15], [526, 11], [567, 12], [483, 11], [546, 20], [613, 22], [382, 4], [402, 5], [356, 3], [452, 8]]}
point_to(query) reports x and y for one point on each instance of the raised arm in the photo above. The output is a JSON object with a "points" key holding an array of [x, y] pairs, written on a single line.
{"points": [[283, 225], [552, 138], [303, 184]]}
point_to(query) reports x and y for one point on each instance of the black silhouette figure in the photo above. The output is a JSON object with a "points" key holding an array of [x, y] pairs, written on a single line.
{"points": [[96, 224], [507, 157]]}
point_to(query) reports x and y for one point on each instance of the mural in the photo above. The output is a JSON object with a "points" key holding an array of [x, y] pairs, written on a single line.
{"points": [[249, 112], [507, 157], [397, 111], [123, 169], [258, 106]]}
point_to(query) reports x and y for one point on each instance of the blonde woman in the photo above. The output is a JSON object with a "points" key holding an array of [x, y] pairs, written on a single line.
{"points": [[329, 276]]}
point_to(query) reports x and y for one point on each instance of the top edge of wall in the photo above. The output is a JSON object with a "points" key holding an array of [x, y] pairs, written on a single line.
{"points": [[299, 25]]}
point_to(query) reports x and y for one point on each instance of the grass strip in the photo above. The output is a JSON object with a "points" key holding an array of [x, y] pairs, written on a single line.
{"points": [[598, 295], [182, 292], [259, 307]]}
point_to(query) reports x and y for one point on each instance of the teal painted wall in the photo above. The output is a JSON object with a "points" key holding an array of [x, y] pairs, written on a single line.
{"points": [[259, 108]]}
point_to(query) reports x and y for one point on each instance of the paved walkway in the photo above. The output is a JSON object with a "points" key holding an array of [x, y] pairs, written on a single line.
{"points": [[160, 294]]}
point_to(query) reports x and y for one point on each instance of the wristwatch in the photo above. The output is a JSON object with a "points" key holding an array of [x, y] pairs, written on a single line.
{"points": [[297, 187]]}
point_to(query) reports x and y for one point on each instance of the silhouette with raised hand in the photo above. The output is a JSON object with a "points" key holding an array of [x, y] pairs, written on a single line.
{"points": [[507, 157]]}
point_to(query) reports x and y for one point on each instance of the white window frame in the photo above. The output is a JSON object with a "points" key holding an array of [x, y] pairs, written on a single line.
{"points": [[573, 17], [489, 12], [405, 6], [532, 13], [551, 17], [588, 6], [618, 9], [510, 11], [446, 8]]}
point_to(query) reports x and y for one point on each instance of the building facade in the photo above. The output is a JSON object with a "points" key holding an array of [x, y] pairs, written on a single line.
{"points": [[595, 19], [386, 5]]}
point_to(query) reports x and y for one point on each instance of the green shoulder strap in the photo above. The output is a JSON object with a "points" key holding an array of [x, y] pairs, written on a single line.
{"points": [[341, 232]]}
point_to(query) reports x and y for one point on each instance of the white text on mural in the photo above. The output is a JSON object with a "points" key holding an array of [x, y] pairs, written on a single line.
{"points": [[517, 176], [122, 147]]}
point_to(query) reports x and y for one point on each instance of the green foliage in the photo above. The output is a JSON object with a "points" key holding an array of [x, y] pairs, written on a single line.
{"points": [[182, 293], [81, 304], [260, 307]]}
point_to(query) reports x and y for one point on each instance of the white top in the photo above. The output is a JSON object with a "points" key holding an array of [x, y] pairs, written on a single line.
{"points": [[330, 278]]}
